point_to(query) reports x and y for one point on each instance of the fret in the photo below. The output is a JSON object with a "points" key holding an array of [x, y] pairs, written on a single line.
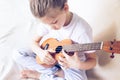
{"points": [[82, 47]]}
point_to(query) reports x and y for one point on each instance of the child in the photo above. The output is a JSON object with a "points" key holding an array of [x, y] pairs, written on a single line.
{"points": [[61, 24]]}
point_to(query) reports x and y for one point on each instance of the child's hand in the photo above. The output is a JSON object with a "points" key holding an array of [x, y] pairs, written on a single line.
{"points": [[46, 58], [70, 61]]}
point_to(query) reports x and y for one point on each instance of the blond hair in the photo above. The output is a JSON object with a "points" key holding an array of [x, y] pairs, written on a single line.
{"points": [[39, 8]]}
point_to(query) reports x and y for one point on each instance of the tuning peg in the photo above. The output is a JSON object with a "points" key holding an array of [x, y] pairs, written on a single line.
{"points": [[112, 56], [112, 42], [110, 48]]}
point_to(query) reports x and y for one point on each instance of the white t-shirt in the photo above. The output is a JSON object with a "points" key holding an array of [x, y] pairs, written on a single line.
{"points": [[78, 31]]}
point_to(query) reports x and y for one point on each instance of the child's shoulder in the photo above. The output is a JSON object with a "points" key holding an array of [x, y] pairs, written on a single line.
{"points": [[77, 19], [80, 24]]}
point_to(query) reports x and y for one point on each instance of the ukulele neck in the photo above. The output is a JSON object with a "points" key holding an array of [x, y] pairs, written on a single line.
{"points": [[83, 47]]}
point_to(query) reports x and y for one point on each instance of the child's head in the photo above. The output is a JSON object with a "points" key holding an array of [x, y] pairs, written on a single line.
{"points": [[52, 12]]}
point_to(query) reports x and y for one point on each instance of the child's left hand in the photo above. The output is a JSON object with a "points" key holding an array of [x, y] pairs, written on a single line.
{"points": [[70, 61]]}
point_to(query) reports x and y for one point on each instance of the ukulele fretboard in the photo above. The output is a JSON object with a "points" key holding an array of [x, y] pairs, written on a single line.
{"points": [[83, 47]]}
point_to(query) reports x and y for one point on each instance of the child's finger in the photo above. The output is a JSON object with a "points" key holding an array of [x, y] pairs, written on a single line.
{"points": [[75, 54], [49, 56], [63, 64], [65, 54], [62, 59], [49, 61], [51, 51]]}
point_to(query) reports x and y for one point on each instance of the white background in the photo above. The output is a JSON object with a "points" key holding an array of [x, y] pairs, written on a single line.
{"points": [[103, 16]]}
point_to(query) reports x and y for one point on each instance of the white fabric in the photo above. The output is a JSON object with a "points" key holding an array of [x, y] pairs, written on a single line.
{"points": [[78, 31], [103, 15], [28, 62]]}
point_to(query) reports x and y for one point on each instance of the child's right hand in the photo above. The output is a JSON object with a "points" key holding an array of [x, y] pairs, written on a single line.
{"points": [[46, 58]]}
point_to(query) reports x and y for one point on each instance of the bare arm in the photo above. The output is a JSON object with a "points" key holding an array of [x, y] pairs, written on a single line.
{"points": [[35, 45], [89, 63], [74, 61], [44, 55]]}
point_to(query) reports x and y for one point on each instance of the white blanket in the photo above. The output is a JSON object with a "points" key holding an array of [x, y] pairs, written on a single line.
{"points": [[16, 27]]}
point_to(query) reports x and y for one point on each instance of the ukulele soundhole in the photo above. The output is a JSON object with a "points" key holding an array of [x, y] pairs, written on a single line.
{"points": [[58, 49]]}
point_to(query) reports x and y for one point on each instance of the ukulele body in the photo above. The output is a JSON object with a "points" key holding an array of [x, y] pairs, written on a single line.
{"points": [[55, 46]]}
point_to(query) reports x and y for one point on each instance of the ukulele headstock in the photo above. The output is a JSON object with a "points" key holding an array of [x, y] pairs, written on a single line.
{"points": [[111, 47]]}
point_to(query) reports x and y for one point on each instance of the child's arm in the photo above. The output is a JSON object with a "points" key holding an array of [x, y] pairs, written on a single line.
{"points": [[89, 63], [74, 61], [43, 54]]}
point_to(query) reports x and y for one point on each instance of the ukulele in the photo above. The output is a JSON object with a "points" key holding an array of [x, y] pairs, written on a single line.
{"points": [[68, 46]]}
